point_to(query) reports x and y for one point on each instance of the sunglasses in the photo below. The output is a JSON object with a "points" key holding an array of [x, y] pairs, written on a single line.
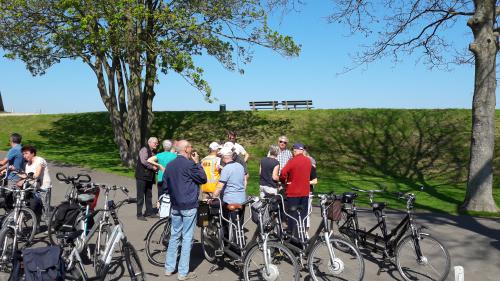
{"points": [[283, 142]]}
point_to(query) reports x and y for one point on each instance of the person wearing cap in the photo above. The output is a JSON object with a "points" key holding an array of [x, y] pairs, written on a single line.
{"points": [[161, 160], [211, 166], [284, 154], [237, 158], [238, 148], [295, 176], [231, 186]]}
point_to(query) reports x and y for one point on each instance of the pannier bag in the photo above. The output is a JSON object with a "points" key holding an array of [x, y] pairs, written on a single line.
{"points": [[334, 211], [43, 264], [203, 209], [65, 218], [164, 206]]}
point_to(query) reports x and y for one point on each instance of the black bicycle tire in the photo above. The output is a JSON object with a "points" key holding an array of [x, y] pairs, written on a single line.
{"points": [[129, 253], [271, 245], [148, 240], [3, 233], [203, 239], [427, 236], [50, 231], [337, 241], [35, 222]]}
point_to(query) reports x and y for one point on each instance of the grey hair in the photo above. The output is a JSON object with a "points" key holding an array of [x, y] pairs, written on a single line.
{"points": [[167, 145], [181, 145], [283, 138], [152, 139], [274, 150]]}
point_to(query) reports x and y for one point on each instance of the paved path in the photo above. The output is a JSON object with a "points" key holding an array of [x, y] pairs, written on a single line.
{"points": [[473, 243]]}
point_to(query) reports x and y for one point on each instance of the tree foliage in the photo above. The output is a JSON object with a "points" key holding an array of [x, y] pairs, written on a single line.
{"points": [[398, 28], [127, 43]]}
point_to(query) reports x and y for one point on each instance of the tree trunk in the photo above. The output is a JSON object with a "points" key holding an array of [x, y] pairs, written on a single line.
{"points": [[479, 195]]}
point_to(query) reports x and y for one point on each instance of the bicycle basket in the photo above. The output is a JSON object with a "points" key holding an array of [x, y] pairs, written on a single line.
{"points": [[334, 211], [259, 207]]}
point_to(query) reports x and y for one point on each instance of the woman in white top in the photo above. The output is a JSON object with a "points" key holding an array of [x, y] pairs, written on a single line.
{"points": [[38, 166]]}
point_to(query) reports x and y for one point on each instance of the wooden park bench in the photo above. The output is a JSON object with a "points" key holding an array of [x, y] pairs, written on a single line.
{"points": [[297, 104], [264, 105]]}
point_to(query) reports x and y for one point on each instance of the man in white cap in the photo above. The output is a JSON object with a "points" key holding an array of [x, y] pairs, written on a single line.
{"points": [[211, 166], [237, 158]]}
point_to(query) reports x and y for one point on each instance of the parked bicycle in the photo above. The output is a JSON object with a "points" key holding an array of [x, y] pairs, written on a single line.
{"points": [[19, 225], [222, 236], [327, 257], [267, 259], [158, 235], [105, 269], [418, 255]]}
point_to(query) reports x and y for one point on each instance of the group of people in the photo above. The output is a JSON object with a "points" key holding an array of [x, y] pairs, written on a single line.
{"points": [[20, 163], [223, 174]]}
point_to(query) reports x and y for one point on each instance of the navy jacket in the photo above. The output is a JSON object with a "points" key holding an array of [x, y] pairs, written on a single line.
{"points": [[183, 177]]}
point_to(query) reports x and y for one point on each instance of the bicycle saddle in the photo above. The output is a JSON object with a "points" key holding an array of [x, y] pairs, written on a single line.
{"points": [[234, 207], [86, 198], [378, 205], [348, 197], [295, 208]]}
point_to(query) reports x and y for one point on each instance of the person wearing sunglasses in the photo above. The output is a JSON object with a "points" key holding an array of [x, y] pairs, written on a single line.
{"points": [[284, 153]]}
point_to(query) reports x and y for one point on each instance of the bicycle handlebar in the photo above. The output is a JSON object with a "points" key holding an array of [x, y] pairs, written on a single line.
{"points": [[81, 178], [369, 190]]}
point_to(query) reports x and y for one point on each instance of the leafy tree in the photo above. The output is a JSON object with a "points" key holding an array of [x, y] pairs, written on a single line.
{"points": [[128, 43], [404, 27]]}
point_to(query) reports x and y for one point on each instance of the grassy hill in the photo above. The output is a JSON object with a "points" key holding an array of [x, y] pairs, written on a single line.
{"points": [[365, 148]]}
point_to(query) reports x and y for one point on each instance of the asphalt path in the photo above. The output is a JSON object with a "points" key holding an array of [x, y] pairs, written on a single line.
{"points": [[472, 242]]}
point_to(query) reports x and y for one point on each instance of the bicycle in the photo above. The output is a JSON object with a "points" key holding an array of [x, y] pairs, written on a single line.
{"points": [[327, 257], [215, 244], [157, 239], [81, 193], [266, 259], [104, 269], [19, 226], [411, 248]]}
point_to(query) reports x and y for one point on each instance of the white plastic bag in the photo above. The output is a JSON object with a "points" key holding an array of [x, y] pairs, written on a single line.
{"points": [[164, 210]]}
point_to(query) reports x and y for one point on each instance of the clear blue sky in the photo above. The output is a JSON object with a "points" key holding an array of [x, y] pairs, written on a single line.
{"points": [[71, 86]]}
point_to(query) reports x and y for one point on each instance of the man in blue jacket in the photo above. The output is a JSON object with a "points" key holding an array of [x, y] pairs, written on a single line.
{"points": [[182, 178]]}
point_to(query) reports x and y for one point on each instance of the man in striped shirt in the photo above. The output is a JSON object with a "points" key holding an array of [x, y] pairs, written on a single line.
{"points": [[284, 154]]}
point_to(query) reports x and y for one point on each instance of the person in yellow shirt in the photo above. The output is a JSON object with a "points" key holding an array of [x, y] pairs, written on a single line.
{"points": [[211, 166]]}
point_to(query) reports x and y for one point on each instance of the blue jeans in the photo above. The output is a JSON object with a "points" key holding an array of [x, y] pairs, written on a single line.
{"points": [[182, 225]]}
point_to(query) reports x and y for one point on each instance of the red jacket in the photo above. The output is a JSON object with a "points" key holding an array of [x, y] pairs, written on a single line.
{"points": [[296, 175]]}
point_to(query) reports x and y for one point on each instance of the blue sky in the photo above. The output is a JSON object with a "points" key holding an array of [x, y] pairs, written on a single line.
{"points": [[71, 86]]}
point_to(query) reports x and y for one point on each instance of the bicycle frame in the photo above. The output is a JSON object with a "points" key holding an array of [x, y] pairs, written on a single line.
{"points": [[390, 239]]}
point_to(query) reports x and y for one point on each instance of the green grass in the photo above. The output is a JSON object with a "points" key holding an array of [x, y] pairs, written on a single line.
{"points": [[365, 148]]}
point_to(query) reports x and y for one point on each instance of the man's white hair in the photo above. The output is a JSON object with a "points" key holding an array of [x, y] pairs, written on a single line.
{"points": [[167, 145], [152, 139]]}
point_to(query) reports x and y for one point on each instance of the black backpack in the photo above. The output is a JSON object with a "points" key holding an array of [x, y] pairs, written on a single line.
{"points": [[65, 218], [43, 264]]}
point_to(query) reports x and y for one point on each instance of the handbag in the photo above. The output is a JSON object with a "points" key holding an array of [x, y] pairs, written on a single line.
{"points": [[43, 264]]}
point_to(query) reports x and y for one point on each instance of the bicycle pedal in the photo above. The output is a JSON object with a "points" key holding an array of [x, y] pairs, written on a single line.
{"points": [[219, 253]]}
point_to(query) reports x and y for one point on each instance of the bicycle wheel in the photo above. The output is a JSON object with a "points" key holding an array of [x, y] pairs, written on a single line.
{"points": [[52, 233], [433, 265], [133, 262], [348, 264], [282, 264], [209, 242], [27, 223], [7, 248], [157, 242]]}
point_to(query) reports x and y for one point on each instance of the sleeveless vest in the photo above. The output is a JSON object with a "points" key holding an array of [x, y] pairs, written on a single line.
{"points": [[142, 172], [209, 165]]}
